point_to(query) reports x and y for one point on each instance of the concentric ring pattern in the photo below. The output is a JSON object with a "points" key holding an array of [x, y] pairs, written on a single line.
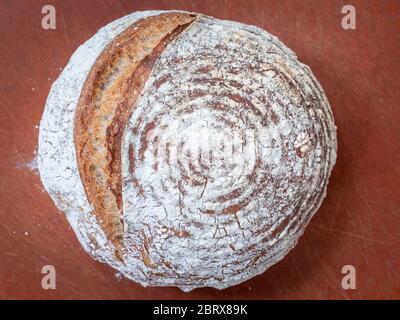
{"points": [[225, 157]]}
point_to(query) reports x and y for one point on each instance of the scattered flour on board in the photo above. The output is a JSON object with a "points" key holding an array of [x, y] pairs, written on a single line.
{"points": [[31, 164]]}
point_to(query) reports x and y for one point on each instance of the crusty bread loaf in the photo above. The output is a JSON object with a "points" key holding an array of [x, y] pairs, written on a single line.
{"points": [[185, 150]]}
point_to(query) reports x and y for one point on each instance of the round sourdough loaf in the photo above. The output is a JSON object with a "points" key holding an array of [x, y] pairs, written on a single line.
{"points": [[186, 151]]}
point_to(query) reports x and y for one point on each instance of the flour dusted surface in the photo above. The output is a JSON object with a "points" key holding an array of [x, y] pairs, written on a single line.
{"points": [[193, 218]]}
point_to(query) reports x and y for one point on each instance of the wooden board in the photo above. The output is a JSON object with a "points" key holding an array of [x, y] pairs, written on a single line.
{"points": [[359, 222]]}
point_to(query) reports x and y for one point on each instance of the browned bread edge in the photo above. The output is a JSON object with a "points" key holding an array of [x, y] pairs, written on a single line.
{"points": [[107, 98]]}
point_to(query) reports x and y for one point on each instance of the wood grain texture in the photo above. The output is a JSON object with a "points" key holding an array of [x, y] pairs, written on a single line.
{"points": [[358, 223]]}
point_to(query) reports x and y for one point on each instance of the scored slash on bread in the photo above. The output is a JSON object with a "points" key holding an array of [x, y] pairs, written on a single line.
{"points": [[108, 95]]}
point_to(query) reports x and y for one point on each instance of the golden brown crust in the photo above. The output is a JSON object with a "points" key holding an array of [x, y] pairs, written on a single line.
{"points": [[108, 95]]}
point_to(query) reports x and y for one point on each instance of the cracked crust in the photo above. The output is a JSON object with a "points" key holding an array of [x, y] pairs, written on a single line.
{"points": [[109, 93], [197, 219]]}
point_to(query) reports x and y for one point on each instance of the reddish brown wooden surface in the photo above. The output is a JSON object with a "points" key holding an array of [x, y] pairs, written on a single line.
{"points": [[359, 222]]}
